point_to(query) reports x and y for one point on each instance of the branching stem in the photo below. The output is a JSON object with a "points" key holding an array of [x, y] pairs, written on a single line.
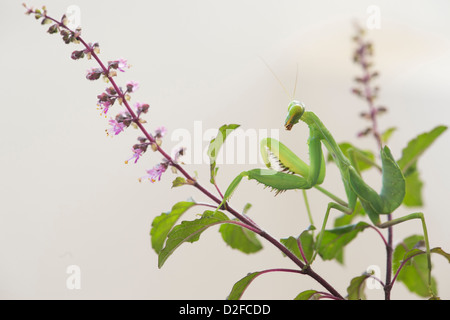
{"points": [[248, 223]]}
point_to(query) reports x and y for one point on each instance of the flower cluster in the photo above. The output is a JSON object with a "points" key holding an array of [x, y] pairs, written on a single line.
{"points": [[68, 36], [139, 148], [155, 173], [130, 116], [364, 88]]}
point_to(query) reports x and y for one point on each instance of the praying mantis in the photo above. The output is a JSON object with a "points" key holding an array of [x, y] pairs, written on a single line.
{"points": [[300, 175]]}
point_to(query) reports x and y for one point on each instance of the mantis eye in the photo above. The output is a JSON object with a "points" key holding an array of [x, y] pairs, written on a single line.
{"points": [[295, 112]]}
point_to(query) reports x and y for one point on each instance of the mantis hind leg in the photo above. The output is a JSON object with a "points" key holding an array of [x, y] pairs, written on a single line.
{"points": [[416, 215], [331, 205]]}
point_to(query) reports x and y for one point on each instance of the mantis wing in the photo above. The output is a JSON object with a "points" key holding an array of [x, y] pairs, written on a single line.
{"points": [[392, 191]]}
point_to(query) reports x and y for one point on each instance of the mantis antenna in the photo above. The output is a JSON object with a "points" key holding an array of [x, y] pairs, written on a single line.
{"points": [[280, 82], [296, 79]]}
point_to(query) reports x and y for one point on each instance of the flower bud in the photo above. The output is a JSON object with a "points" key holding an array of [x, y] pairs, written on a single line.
{"points": [[77, 54], [53, 29], [94, 73]]}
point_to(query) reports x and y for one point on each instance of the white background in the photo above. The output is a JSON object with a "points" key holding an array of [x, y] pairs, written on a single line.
{"points": [[67, 198]]}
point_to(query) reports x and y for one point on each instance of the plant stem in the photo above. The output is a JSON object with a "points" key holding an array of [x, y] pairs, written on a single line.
{"points": [[308, 209], [300, 247], [369, 97], [249, 223], [389, 251]]}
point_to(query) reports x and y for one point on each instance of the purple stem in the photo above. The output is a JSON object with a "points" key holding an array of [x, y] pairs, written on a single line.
{"points": [[402, 265], [373, 117], [246, 222], [300, 247], [324, 294]]}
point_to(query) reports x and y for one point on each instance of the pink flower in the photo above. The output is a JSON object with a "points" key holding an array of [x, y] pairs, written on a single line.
{"points": [[122, 64], [132, 86], [116, 127], [156, 172], [141, 107], [137, 153], [160, 132], [104, 106]]}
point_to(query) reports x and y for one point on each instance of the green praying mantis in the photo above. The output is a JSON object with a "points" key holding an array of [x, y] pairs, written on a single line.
{"points": [[296, 174]]}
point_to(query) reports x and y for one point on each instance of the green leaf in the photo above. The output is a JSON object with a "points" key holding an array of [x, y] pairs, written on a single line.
{"points": [[307, 242], [334, 240], [247, 207], [239, 287], [189, 231], [403, 247], [346, 219], [414, 274], [413, 195], [408, 163], [179, 181], [216, 144], [364, 158], [386, 135], [356, 288], [162, 224], [417, 146], [240, 238], [308, 295]]}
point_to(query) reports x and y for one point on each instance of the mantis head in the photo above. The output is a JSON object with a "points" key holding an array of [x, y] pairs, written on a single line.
{"points": [[295, 112]]}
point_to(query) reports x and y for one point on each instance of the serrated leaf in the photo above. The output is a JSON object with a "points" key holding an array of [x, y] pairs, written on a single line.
{"points": [[408, 163], [334, 240], [400, 250], [179, 181], [308, 295], [162, 224], [240, 238], [356, 288], [216, 144], [189, 231], [239, 287], [417, 146], [414, 273]]}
